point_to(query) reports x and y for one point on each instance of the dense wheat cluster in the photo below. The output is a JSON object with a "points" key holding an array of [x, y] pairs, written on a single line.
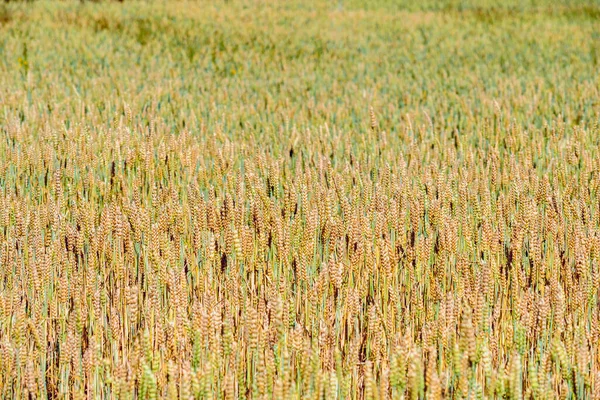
{"points": [[305, 200]]}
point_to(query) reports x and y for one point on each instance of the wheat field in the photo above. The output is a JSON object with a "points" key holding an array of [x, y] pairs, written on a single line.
{"points": [[247, 199]]}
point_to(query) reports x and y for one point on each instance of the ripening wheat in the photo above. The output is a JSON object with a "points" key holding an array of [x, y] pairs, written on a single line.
{"points": [[251, 200]]}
